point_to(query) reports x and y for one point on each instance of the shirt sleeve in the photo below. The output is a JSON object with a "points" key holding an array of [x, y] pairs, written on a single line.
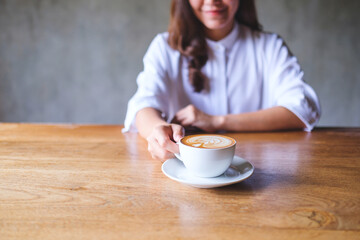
{"points": [[288, 89], [152, 84]]}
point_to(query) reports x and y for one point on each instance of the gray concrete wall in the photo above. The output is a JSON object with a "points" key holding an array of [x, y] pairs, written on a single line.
{"points": [[77, 60]]}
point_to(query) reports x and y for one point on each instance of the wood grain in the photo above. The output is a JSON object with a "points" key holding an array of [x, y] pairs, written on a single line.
{"points": [[94, 182]]}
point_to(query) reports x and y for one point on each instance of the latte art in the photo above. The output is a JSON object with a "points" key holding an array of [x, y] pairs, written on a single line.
{"points": [[208, 141]]}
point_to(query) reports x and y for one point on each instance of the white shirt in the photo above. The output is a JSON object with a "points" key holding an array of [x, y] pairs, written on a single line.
{"points": [[247, 71]]}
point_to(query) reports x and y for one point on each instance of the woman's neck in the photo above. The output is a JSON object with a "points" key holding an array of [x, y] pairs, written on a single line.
{"points": [[218, 34]]}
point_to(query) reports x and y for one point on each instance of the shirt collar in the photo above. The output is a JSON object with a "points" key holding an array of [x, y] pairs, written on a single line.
{"points": [[228, 41]]}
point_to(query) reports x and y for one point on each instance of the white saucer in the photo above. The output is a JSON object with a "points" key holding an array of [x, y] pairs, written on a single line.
{"points": [[239, 170]]}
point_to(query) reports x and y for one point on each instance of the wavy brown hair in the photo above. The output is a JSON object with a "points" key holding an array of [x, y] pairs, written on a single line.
{"points": [[187, 35]]}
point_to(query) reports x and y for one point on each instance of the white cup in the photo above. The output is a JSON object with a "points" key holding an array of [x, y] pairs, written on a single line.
{"points": [[206, 161]]}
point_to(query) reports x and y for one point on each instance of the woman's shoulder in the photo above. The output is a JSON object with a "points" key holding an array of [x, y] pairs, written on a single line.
{"points": [[161, 37], [267, 43], [160, 54], [257, 36], [160, 42]]}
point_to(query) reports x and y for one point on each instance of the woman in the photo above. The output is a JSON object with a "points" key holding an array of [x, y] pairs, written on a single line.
{"points": [[217, 71]]}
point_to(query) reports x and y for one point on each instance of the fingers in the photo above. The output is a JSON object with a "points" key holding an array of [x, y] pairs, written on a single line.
{"points": [[161, 143], [187, 115], [178, 132], [167, 144], [191, 116], [157, 152]]}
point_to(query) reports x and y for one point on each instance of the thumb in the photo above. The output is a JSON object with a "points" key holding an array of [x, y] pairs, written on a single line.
{"points": [[178, 132]]}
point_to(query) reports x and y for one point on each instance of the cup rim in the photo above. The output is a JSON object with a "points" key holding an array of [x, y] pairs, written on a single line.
{"points": [[209, 134]]}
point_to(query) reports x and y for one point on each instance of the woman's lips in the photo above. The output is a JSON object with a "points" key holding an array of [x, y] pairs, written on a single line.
{"points": [[215, 12]]}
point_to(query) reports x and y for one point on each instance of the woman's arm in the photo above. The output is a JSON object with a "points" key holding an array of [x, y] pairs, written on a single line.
{"points": [[271, 119], [275, 118], [160, 135], [147, 119]]}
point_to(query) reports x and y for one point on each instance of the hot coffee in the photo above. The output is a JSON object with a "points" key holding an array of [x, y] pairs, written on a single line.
{"points": [[208, 141], [206, 155]]}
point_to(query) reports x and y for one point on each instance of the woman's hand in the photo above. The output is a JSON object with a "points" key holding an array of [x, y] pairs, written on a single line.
{"points": [[162, 141], [191, 116]]}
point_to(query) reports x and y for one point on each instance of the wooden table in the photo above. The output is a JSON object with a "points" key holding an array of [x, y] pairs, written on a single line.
{"points": [[94, 182]]}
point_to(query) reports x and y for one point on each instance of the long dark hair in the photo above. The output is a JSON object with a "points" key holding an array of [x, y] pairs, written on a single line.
{"points": [[187, 35]]}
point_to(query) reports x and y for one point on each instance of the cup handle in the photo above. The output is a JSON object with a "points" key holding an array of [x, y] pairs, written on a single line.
{"points": [[177, 155]]}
